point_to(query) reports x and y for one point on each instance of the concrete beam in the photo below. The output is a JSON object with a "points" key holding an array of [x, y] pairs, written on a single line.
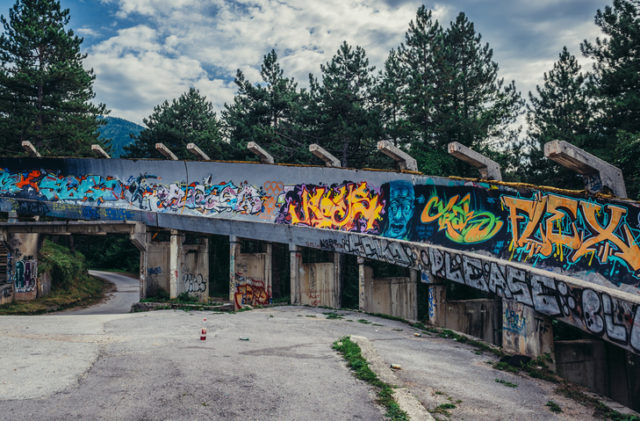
{"points": [[194, 149], [264, 156], [597, 172], [320, 152], [30, 149], [166, 152], [99, 152], [73, 227], [403, 159], [488, 168], [138, 236]]}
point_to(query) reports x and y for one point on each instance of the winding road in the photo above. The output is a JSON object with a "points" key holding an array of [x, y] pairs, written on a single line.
{"points": [[117, 302]]}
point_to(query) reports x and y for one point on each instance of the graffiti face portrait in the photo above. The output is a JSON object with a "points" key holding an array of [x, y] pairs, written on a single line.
{"points": [[400, 209]]}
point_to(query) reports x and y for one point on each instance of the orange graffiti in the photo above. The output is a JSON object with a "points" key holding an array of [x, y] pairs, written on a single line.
{"points": [[30, 180], [273, 190], [547, 224], [342, 208], [462, 225], [250, 292]]}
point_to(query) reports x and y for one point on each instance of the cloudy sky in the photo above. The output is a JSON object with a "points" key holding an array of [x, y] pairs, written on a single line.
{"points": [[146, 51]]}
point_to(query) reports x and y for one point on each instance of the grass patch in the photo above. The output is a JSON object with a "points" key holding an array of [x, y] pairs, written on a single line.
{"points": [[353, 355], [364, 321], [443, 409], [553, 407], [332, 315], [506, 383]]}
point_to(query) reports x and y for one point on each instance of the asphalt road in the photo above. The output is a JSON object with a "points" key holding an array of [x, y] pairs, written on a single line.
{"points": [[266, 364], [117, 302]]}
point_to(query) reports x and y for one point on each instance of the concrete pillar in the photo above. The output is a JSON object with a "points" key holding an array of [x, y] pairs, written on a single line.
{"points": [[268, 270], [337, 273], [362, 302], [295, 261], [144, 265], [525, 331], [234, 250], [174, 265], [437, 300], [194, 270]]}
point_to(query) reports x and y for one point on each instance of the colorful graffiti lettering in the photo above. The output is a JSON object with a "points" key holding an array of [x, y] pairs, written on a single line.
{"points": [[569, 230], [250, 292], [25, 274], [273, 190], [346, 207], [143, 191], [461, 224], [597, 312]]}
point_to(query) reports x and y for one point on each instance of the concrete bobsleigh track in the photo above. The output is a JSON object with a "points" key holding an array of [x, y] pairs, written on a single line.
{"points": [[567, 255]]}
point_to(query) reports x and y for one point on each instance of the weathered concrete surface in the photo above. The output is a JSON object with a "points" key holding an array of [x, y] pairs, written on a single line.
{"points": [[153, 366]]}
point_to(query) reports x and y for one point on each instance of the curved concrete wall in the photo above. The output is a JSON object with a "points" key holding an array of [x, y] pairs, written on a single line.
{"points": [[568, 256]]}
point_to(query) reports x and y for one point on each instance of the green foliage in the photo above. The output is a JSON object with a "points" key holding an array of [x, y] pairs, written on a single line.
{"points": [[615, 86], [270, 113], [506, 383], [120, 133], [353, 355], [66, 268], [111, 251], [553, 407], [347, 122], [559, 111], [441, 86], [45, 93], [188, 119]]}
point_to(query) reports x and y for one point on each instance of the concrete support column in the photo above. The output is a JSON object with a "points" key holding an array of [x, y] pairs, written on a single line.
{"points": [[234, 250], [144, 265], [525, 331], [268, 270], [295, 261], [337, 273], [174, 265], [362, 303], [436, 301]]}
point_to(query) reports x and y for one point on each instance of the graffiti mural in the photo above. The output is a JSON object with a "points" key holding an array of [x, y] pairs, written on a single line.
{"points": [[573, 232], [597, 312], [144, 192], [514, 321], [24, 274], [194, 282], [250, 292], [345, 207]]}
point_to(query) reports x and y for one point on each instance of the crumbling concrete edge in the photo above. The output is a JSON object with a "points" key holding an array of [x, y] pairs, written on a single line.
{"points": [[407, 402]]}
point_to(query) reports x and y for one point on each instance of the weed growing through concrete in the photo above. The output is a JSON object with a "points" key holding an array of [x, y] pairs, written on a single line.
{"points": [[554, 407], [506, 383], [352, 353], [443, 409], [332, 315]]}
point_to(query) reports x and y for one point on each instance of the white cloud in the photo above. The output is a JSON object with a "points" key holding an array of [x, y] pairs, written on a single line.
{"points": [[161, 58]]}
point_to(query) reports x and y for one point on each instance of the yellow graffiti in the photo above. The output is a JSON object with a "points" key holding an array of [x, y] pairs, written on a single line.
{"points": [[342, 208], [461, 224], [537, 229]]}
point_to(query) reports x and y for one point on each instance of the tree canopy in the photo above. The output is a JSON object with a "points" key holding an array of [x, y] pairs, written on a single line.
{"points": [[45, 92]]}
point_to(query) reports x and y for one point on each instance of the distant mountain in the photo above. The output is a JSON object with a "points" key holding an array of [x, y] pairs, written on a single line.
{"points": [[119, 130]]}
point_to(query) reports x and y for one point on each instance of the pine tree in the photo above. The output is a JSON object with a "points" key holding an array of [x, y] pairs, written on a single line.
{"points": [[615, 85], [559, 111], [347, 122], [45, 92], [188, 119], [269, 113], [452, 93]]}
